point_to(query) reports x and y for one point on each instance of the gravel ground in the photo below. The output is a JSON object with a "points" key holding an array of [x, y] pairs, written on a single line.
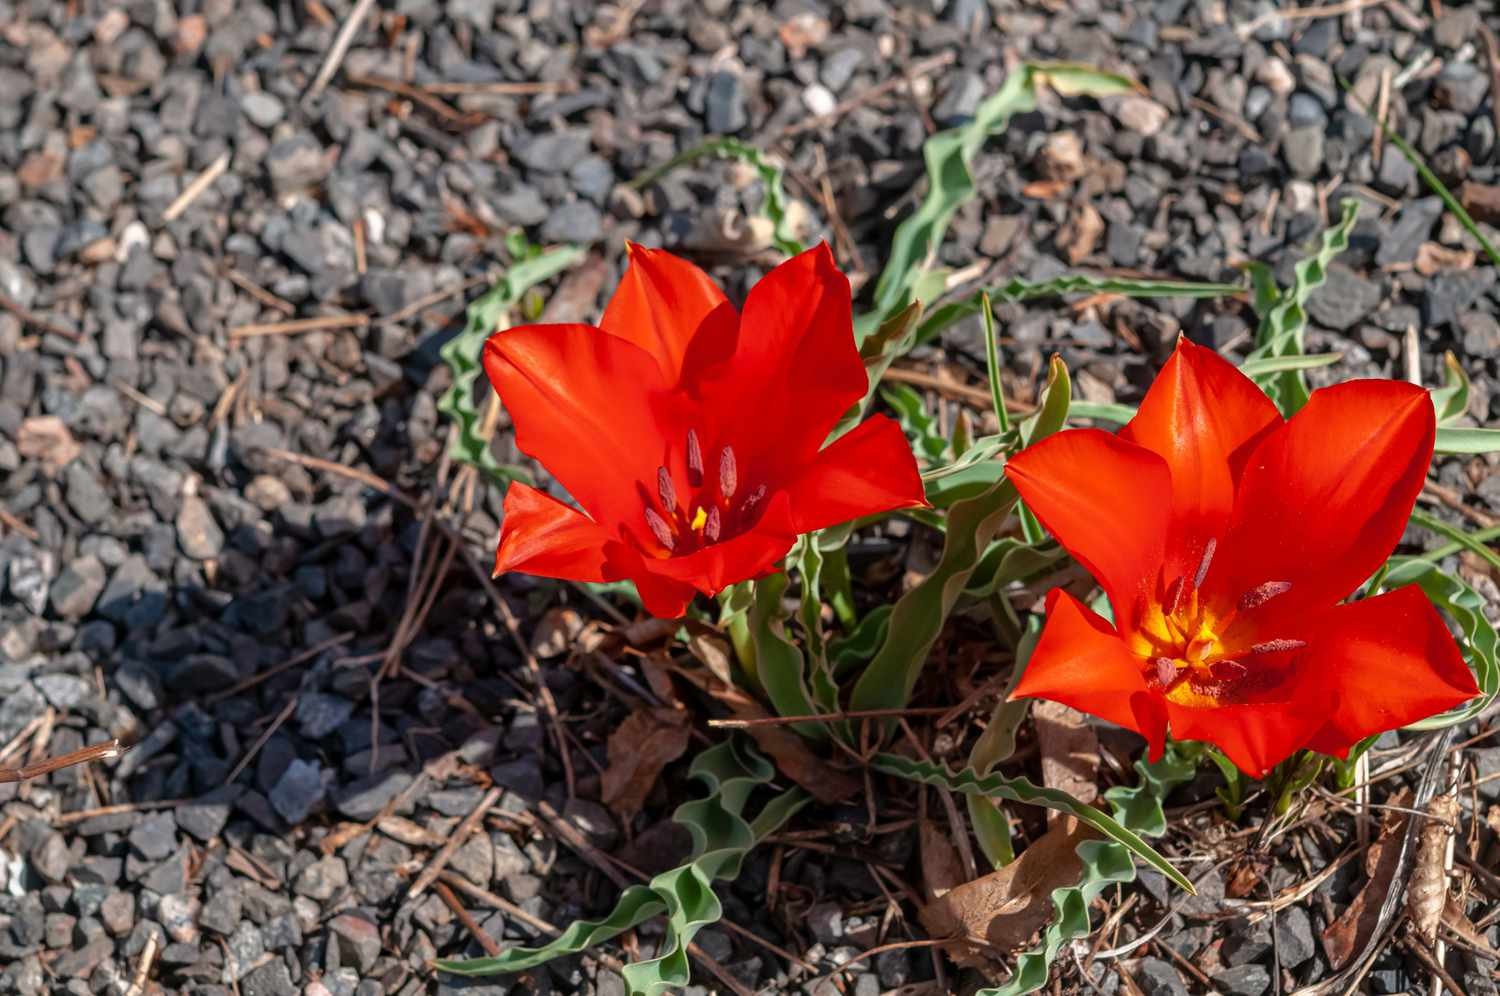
{"points": [[175, 177]]}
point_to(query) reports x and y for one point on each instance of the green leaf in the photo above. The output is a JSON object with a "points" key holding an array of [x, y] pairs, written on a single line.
{"points": [[992, 364], [1052, 413], [1139, 806], [944, 315], [919, 615], [995, 745], [859, 646], [1452, 399], [1465, 606], [1280, 364], [1010, 559], [893, 338], [1479, 549], [910, 409], [488, 314], [809, 558], [1103, 412], [780, 664], [772, 178], [1455, 440], [1022, 790], [1282, 328], [949, 184], [721, 839]]}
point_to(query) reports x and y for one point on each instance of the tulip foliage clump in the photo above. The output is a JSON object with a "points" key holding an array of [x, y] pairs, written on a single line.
{"points": [[1216, 570]]}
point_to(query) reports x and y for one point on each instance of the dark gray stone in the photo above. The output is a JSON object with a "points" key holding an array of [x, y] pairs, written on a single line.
{"points": [[1294, 937], [1344, 299]]}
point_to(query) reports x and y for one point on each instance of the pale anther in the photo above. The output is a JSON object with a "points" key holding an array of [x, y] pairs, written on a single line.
{"points": [[660, 529], [1263, 593], [665, 490], [1208, 558], [728, 473], [694, 460]]}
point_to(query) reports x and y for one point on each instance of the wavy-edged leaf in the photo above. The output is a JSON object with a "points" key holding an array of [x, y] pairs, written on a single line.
{"points": [[949, 184], [919, 615], [721, 839], [486, 315], [1282, 364], [772, 177], [1139, 806], [1283, 327], [1464, 606], [1022, 790]]}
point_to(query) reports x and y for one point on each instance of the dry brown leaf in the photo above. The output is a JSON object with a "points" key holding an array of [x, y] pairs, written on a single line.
{"points": [[46, 438], [998, 912], [1046, 190], [1346, 936], [555, 631], [1245, 874], [942, 869], [648, 741], [1427, 892], [1070, 752], [1433, 258]]}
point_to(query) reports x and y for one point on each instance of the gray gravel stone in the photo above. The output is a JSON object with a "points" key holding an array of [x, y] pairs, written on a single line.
{"points": [[77, 588]]}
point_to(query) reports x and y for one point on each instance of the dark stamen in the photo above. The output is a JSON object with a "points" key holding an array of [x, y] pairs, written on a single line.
{"points": [[694, 460], [1208, 558], [712, 525], [728, 473], [1166, 671], [660, 529], [1174, 595], [1277, 646], [665, 490], [753, 499], [1261, 594]]}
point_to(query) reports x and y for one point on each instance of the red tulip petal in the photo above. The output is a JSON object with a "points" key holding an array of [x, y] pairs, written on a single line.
{"points": [[794, 373], [1255, 736], [869, 469], [581, 402], [1201, 416], [1325, 497], [1081, 662], [665, 305], [751, 554], [1108, 502], [1387, 661], [542, 536], [663, 597]]}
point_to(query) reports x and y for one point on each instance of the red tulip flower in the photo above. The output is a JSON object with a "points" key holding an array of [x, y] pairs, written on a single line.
{"points": [[1225, 538], [691, 435]]}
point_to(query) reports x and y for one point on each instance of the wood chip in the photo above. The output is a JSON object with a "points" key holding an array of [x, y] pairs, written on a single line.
{"points": [[46, 438]]}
